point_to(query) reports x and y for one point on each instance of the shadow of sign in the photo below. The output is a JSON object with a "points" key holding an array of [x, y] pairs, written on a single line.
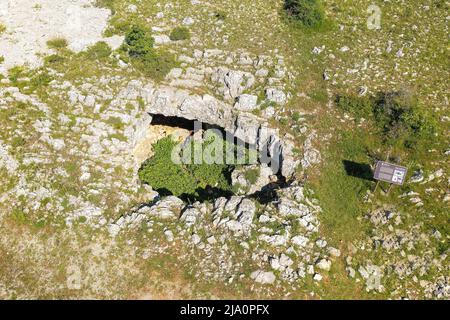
{"points": [[358, 170]]}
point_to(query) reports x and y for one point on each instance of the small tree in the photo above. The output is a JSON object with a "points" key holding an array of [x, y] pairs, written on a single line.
{"points": [[309, 12], [139, 42]]}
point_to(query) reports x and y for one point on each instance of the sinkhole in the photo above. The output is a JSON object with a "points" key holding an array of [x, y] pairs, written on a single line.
{"points": [[202, 162]]}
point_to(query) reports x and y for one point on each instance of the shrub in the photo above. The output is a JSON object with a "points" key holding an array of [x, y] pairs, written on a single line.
{"points": [[118, 25], [2, 59], [2, 28], [57, 43], [98, 51], [155, 64], [402, 118], [139, 42], [180, 33], [252, 175], [54, 59], [398, 115], [308, 12], [15, 73], [40, 80], [20, 216], [296, 116], [360, 107]]}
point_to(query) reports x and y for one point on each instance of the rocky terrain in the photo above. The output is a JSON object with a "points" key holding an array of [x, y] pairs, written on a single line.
{"points": [[77, 125]]}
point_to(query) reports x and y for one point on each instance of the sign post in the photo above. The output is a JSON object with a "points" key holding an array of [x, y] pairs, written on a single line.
{"points": [[391, 173]]}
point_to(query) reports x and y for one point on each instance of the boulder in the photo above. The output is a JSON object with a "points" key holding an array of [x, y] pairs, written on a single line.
{"points": [[190, 216], [245, 214], [246, 102], [161, 39], [168, 208], [232, 83], [324, 264], [274, 240], [300, 241], [188, 21], [417, 177], [276, 95], [290, 208], [263, 277], [317, 277]]}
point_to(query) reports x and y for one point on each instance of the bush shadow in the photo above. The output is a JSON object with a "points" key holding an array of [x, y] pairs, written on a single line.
{"points": [[358, 170]]}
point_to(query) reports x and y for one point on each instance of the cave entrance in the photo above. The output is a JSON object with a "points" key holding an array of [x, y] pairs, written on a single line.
{"points": [[174, 122], [187, 124]]}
